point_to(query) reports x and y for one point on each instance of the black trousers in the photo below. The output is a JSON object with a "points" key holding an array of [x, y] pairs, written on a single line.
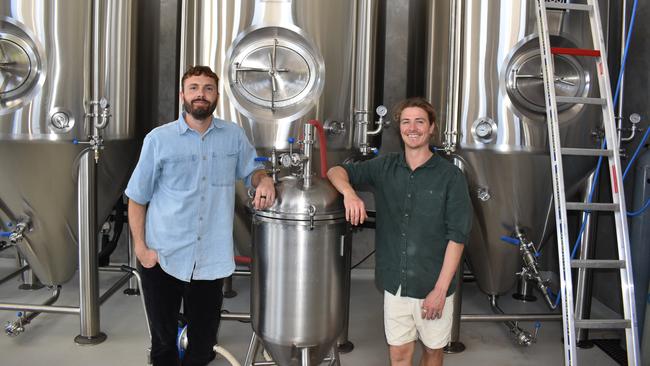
{"points": [[202, 302]]}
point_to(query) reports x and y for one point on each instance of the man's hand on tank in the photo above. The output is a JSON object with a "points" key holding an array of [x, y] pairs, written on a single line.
{"points": [[355, 209], [264, 194]]}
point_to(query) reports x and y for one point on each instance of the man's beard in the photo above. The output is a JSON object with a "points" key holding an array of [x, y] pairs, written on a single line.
{"points": [[199, 112]]}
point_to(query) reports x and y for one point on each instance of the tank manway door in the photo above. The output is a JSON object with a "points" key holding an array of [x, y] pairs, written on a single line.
{"points": [[274, 73], [18, 70]]}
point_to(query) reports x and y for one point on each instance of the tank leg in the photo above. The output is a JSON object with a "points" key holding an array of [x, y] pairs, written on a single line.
{"points": [[335, 359], [252, 350], [344, 344], [28, 279], [455, 345], [305, 357], [88, 262], [524, 290], [228, 292]]}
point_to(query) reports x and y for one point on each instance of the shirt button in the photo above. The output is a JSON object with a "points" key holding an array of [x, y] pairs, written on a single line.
{"points": [[205, 157], [201, 218], [406, 215], [403, 234], [199, 238], [408, 195], [203, 178], [202, 198]]}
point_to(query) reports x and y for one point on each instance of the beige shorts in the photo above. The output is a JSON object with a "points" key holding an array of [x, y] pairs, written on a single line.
{"points": [[403, 322]]}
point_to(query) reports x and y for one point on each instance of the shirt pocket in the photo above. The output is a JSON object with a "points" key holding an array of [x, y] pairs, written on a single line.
{"points": [[179, 172], [224, 168], [430, 204]]}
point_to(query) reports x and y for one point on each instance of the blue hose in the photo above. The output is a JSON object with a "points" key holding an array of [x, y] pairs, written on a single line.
{"points": [[5, 234]]}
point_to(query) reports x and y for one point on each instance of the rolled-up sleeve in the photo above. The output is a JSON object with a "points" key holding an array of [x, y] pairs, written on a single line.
{"points": [[142, 183], [246, 163], [458, 210], [365, 172]]}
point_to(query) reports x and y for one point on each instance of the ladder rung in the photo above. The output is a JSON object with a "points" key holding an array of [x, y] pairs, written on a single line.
{"points": [[574, 51], [564, 6], [597, 263], [580, 100], [586, 152], [581, 206], [602, 323]]}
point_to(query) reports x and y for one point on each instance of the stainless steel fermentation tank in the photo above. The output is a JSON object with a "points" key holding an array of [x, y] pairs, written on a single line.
{"points": [[282, 63], [58, 60], [301, 251], [484, 76]]}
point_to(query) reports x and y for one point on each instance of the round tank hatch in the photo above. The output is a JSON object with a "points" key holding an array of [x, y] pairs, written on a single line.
{"points": [[273, 76], [15, 67], [19, 67], [525, 84], [274, 73]]}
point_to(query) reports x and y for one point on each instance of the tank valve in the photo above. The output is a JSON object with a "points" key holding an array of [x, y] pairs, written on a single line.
{"points": [[483, 194], [17, 234], [13, 329], [530, 269]]}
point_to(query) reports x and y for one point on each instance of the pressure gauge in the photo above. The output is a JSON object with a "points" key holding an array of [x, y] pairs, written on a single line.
{"points": [[635, 118], [484, 129], [382, 110]]}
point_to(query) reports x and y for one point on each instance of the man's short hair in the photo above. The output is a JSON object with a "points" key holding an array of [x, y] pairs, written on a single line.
{"points": [[197, 71], [418, 102]]}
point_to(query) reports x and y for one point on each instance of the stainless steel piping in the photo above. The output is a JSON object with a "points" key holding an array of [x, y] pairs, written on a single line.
{"points": [[364, 73], [509, 317], [40, 308], [522, 336], [16, 327], [621, 91], [308, 144]]}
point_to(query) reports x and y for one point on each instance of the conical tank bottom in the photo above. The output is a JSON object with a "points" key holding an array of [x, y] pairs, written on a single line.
{"points": [[291, 355]]}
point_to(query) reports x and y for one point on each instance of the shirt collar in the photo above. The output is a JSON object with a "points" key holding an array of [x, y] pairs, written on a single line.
{"points": [[432, 162], [184, 127]]}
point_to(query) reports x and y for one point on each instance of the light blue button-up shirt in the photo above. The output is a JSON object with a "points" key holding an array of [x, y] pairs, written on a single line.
{"points": [[188, 182]]}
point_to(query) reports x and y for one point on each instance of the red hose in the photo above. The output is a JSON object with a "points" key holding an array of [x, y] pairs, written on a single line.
{"points": [[243, 260], [323, 147]]}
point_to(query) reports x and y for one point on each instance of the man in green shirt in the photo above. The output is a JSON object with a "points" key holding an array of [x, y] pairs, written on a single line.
{"points": [[423, 221]]}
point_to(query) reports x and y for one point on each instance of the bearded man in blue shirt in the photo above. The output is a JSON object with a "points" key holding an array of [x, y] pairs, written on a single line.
{"points": [[423, 222], [181, 211]]}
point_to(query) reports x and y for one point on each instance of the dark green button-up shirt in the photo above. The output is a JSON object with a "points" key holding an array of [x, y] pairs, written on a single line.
{"points": [[418, 212]]}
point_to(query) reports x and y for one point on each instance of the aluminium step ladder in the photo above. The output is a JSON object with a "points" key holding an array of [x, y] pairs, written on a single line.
{"points": [[611, 153]]}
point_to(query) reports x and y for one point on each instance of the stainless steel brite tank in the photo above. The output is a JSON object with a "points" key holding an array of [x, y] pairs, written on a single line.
{"points": [[484, 77], [299, 268], [46, 73], [281, 63]]}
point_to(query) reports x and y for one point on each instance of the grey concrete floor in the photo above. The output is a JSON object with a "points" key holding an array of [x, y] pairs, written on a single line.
{"points": [[48, 340]]}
